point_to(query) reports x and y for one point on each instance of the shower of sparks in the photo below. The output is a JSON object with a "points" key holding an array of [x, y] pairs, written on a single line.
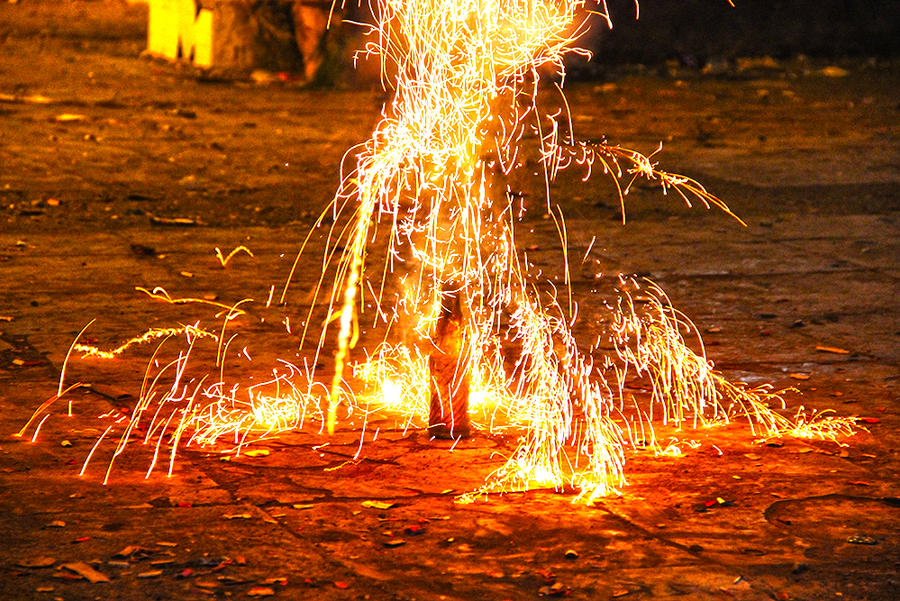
{"points": [[432, 185]]}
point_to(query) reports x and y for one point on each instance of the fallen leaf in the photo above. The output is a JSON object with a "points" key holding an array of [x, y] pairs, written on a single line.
{"points": [[237, 516], [186, 274], [302, 506], [36, 562], [571, 554], [82, 539], [279, 580], [206, 583], [44, 589], [69, 117], [257, 453], [56, 524], [394, 542], [164, 543], [65, 443], [67, 576], [128, 551], [752, 456], [378, 504], [260, 591], [557, 589], [799, 376], [179, 221], [341, 584], [832, 349], [861, 539], [868, 420], [414, 530], [858, 483], [85, 571], [150, 574]]}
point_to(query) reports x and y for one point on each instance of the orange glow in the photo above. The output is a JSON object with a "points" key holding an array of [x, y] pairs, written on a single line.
{"points": [[432, 183]]}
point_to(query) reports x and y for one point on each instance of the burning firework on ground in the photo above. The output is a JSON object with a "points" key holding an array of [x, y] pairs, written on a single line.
{"points": [[424, 247]]}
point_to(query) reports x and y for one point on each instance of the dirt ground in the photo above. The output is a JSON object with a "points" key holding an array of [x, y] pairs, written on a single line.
{"points": [[119, 171]]}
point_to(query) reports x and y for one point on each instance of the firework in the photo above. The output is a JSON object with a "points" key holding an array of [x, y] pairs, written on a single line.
{"points": [[473, 338]]}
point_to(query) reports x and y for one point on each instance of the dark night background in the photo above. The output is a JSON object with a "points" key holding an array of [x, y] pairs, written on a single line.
{"points": [[695, 31]]}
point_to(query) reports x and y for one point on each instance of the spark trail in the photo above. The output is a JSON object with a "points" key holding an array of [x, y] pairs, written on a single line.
{"points": [[433, 184]]}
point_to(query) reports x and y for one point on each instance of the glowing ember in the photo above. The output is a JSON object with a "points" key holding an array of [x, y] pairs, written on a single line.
{"points": [[465, 318]]}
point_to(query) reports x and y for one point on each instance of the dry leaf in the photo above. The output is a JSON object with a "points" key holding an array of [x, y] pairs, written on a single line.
{"points": [[260, 591], [85, 571], [257, 453], [378, 504], [237, 516], [832, 349], [150, 574], [394, 542], [799, 376], [69, 117], [182, 221]]}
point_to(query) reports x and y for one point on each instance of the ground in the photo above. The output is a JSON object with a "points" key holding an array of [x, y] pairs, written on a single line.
{"points": [[100, 150]]}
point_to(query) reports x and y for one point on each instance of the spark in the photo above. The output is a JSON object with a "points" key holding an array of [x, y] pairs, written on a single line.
{"points": [[426, 210], [226, 258]]}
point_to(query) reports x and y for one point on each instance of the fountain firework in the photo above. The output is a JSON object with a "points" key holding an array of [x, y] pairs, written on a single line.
{"points": [[471, 331]]}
